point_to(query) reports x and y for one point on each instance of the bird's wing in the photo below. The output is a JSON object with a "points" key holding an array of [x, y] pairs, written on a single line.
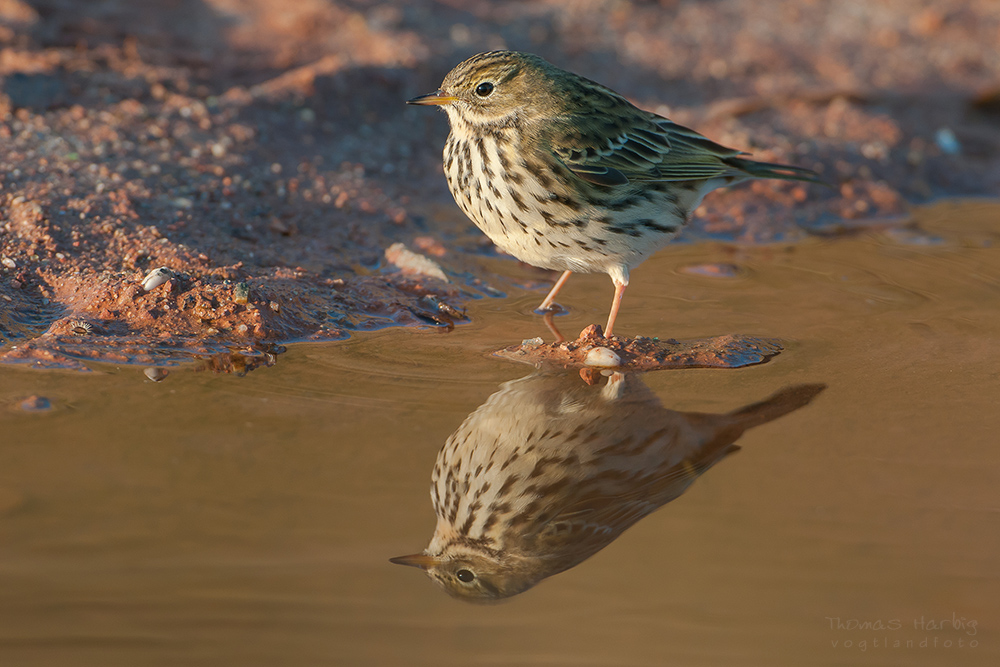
{"points": [[579, 532], [613, 149], [599, 513]]}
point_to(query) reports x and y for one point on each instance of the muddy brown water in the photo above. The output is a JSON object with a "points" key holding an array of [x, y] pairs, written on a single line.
{"points": [[216, 520]]}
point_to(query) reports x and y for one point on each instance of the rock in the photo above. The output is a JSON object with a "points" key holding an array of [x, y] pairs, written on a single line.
{"points": [[39, 92]]}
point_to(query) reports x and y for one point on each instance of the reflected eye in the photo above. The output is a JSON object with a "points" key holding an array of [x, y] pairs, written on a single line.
{"points": [[465, 575], [483, 90]]}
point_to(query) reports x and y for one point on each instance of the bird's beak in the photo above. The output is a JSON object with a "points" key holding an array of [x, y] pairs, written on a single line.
{"points": [[435, 98], [421, 560]]}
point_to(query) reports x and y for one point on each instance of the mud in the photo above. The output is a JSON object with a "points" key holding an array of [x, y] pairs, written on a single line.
{"points": [[641, 353], [266, 145]]}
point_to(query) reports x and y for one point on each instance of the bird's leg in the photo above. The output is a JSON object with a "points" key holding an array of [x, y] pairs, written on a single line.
{"points": [[547, 303], [615, 304], [551, 324]]}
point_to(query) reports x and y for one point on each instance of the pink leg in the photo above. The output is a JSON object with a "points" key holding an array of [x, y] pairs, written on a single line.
{"points": [[619, 291], [551, 324], [547, 304]]}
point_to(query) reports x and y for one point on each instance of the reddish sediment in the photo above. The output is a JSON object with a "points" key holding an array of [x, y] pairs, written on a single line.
{"points": [[272, 153]]}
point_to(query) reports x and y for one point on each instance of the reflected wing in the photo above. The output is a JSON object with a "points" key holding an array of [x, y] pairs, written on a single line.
{"points": [[598, 515]]}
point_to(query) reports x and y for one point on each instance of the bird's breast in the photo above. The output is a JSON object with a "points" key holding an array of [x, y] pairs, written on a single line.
{"points": [[533, 207]]}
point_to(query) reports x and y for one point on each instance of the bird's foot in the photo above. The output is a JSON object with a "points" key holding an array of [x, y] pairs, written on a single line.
{"points": [[551, 309]]}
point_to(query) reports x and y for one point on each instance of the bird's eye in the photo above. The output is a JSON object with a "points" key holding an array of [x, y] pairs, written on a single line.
{"points": [[465, 575], [484, 89]]}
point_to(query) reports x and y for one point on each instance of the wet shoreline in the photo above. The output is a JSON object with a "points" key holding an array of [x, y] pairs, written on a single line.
{"points": [[274, 158]]}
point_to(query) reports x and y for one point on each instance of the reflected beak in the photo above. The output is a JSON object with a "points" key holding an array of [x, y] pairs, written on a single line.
{"points": [[421, 560], [435, 98]]}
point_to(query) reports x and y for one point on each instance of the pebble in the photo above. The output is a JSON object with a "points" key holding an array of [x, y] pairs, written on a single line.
{"points": [[602, 357], [241, 293], [947, 141], [156, 277]]}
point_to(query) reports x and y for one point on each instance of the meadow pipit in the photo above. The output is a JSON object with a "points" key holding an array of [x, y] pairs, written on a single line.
{"points": [[566, 174], [549, 471]]}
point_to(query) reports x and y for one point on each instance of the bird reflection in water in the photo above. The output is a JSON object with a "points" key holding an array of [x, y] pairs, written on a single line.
{"points": [[550, 470]]}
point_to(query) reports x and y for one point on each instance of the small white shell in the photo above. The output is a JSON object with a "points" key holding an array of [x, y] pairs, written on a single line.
{"points": [[532, 342], [414, 263], [602, 357], [156, 277], [81, 327]]}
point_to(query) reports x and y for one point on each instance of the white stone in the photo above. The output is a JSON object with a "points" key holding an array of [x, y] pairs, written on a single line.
{"points": [[602, 357]]}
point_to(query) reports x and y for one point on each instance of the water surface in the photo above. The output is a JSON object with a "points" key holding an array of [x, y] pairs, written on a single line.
{"points": [[213, 520]]}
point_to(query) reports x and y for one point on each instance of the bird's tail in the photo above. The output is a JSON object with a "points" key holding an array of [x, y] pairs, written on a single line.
{"points": [[774, 170], [739, 421], [778, 405]]}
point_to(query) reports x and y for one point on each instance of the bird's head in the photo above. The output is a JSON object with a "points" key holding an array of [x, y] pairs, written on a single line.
{"points": [[496, 89], [474, 575]]}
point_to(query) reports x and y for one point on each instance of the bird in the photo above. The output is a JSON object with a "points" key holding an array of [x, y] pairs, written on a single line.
{"points": [[550, 470], [565, 174]]}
